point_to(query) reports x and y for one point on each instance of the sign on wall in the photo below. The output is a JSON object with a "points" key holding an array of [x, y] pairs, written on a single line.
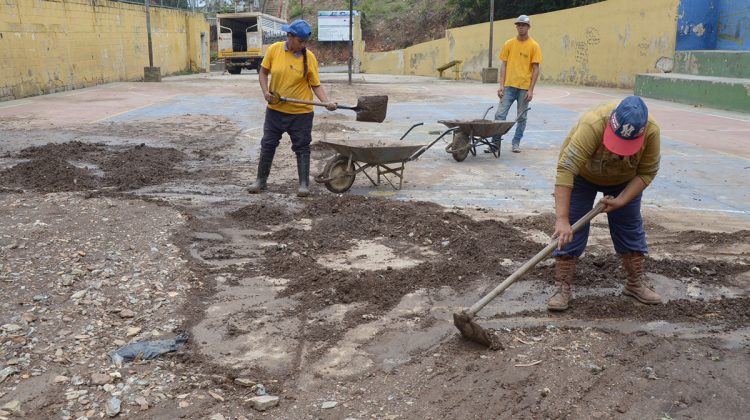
{"points": [[334, 25]]}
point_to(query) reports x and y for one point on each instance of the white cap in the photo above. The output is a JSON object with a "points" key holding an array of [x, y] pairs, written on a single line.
{"points": [[523, 19]]}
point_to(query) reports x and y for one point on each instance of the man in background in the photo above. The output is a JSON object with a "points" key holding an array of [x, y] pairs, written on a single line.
{"points": [[519, 69]]}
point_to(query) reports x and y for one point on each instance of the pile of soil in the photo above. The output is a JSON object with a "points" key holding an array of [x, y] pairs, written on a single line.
{"points": [[77, 166], [464, 250]]}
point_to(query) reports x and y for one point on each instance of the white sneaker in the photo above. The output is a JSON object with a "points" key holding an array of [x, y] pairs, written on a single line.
{"points": [[516, 149]]}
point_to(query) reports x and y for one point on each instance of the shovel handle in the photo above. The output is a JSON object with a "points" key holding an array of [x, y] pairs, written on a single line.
{"points": [[278, 98], [531, 263]]}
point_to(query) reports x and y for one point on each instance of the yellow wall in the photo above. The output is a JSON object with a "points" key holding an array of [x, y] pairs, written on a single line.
{"points": [[603, 44], [55, 45]]}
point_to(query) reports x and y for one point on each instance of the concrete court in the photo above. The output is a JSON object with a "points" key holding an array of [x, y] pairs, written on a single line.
{"points": [[705, 152]]}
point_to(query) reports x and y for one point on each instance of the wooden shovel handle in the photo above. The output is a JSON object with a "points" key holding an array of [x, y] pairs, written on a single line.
{"points": [[278, 98], [532, 262]]}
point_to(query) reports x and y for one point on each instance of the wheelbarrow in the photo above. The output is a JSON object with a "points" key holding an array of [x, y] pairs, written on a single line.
{"points": [[354, 157], [472, 133]]}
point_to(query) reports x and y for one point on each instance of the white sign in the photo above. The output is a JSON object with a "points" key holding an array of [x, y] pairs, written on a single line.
{"points": [[334, 26]]}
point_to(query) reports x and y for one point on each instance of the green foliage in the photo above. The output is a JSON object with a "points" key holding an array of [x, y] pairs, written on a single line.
{"points": [[307, 12], [468, 12]]}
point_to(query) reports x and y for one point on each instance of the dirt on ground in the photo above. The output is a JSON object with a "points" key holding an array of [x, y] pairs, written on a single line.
{"points": [[340, 305]]}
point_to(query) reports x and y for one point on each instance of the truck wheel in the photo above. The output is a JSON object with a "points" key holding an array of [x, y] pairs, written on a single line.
{"points": [[234, 70]]}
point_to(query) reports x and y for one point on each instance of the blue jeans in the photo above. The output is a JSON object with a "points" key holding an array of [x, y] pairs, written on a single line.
{"points": [[625, 223], [510, 95]]}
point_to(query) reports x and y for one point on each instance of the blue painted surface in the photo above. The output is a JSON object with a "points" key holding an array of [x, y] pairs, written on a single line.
{"points": [[697, 22], [734, 25], [252, 110], [688, 178], [713, 25]]}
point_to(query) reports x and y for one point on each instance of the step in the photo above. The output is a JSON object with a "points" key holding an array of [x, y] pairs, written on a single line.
{"points": [[713, 63], [715, 92]]}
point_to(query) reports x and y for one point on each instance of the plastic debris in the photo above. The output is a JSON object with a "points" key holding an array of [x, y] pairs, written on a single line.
{"points": [[258, 389], [147, 349]]}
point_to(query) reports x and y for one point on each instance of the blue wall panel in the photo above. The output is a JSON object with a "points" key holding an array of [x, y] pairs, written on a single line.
{"points": [[697, 22], [734, 25]]}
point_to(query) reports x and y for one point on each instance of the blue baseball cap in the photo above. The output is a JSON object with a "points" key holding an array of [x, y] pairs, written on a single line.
{"points": [[626, 129], [298, 28]]}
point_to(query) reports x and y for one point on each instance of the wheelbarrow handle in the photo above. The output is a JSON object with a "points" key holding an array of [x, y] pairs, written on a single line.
{"points": [[522, 114], [532, 262], [423, 149], [519, 116], [411, 128]]}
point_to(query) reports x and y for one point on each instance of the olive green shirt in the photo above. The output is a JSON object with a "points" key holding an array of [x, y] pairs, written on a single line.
{"points": [[583, 153]]}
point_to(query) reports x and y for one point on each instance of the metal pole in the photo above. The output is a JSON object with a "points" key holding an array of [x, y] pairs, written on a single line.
{"points": [[492, 19], [148, 29], [302, 9], [351, 40]]}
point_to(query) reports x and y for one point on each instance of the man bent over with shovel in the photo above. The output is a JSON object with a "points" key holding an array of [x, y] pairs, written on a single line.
{"points": [[613, 149]]}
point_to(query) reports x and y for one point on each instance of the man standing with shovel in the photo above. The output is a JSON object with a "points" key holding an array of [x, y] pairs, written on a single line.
{"points": [[294, 74], [613, 149]]}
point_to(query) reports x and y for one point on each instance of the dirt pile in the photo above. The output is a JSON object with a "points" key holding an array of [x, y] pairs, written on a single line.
{"points": [[77, 166], [339, 304]]}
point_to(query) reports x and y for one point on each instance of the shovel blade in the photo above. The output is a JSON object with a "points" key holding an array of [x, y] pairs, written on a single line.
{"points": [[371, 108], [470, 330]]}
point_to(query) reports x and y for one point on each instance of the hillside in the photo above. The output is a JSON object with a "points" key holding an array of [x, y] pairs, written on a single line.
{"points": [[395, 24], [386, 24]]}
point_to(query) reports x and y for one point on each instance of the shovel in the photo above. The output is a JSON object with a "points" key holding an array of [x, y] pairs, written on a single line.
{"points": [[464, 320], [368, 109]]}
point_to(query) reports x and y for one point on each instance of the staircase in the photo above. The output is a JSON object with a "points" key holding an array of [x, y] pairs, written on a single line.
{"points": [[711, 78], [276, 8]]}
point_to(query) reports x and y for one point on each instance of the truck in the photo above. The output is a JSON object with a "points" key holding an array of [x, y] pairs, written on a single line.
{"points": [[243, 38]]}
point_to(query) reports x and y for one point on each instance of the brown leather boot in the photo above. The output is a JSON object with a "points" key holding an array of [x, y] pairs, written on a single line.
{"points": [[637, 285], [565, 273]]}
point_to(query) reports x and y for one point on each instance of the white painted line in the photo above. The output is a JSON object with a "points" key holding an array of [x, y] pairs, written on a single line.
{"points": [[740, 130], [714, 115], [677, 108], [699, 209], [603, 94], [15, 105], [129, 110], [567, 93]]}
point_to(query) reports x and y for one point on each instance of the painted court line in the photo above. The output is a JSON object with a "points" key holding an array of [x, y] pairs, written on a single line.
{"points": [[699, 209], [130, 110], [566, 94]]}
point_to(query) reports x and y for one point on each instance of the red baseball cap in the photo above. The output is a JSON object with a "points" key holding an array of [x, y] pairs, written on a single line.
{"points": [[626, 128]]}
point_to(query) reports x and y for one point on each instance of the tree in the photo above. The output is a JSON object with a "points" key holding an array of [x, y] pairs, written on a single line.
{"points": [[469, 12]]}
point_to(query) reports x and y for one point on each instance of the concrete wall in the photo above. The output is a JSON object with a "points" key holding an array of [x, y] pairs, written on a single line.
{"points": [[603, 44], [56, 45]]}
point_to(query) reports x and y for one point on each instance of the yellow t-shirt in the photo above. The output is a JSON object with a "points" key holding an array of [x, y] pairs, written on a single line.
{"points": [[583, 153], [287, 79], [518, 57]]}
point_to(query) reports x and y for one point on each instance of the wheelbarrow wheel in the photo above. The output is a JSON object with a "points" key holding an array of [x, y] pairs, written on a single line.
{"points": [[460, 146], [339, 174]]}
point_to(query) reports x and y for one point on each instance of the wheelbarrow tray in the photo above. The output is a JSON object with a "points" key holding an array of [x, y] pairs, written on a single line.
{"points": [[374, 152], [480, 128]]}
